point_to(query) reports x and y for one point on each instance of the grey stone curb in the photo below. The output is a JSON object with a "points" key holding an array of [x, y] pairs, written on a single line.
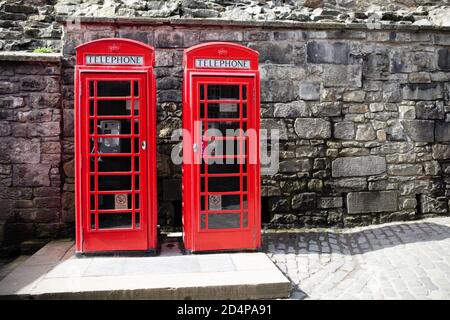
{"points": [[29, 56]]}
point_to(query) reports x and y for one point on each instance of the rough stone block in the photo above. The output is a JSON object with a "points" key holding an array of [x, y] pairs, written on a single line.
{"points": [[344, 130], [444, 58], [309, 152], [295, 109], [358, 166], [297, 165], [433, 205], [326, 52], [18, 150], [430, 110], [309, 91], [342, 76], [329, 202], [372, 202], [274, 52], [278, 204], [271, 124], [419, 130], [441, 151], [326, 109], [32, 175], [46, 129], [304, 201], [405, 169], [365, 132], [310, 128], [442, 131], [169, 39], [278, 91], [347, 184], [423, 91], [407, 112], [354, 96]]}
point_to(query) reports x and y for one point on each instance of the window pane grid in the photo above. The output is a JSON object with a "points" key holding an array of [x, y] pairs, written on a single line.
{"points": [[95, 155], [241, 139]]}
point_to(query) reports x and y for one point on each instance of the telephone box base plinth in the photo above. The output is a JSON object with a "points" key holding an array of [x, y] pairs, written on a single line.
{"points": [[54, 273]]}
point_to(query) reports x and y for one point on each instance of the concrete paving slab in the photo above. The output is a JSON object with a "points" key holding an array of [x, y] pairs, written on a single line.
{"points": [[206, 276]]}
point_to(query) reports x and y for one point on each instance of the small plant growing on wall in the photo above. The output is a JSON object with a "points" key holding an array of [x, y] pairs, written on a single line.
{"points": [[43, 50]]}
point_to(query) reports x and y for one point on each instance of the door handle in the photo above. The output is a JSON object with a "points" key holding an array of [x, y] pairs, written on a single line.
{"points": [[194, 147], [144, 145]]}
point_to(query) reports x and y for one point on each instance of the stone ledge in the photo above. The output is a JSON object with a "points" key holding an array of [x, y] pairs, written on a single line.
{"points": [[249, 24], [29, 56]]}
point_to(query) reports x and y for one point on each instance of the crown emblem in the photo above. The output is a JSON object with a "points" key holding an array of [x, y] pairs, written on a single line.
{"points": [[114, 47], [222, 52]]}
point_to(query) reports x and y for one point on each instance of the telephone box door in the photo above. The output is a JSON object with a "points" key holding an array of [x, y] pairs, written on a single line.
{"points": [[227, 179], [114, 138]]}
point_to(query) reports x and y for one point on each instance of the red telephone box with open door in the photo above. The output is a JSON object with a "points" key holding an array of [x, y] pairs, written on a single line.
{"points": [[115, 157], [221, 172]]}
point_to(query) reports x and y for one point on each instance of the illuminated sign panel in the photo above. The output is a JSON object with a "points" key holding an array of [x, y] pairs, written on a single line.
{"points": [[222, 63], [115, 60]]}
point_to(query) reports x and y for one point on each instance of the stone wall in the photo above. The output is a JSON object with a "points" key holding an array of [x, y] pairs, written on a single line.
{"points": [[29, 24], [30, 151], [364, 117]]}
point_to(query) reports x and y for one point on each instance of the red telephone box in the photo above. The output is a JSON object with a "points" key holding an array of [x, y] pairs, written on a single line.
{"points": [[115, 157], [221, 178]]}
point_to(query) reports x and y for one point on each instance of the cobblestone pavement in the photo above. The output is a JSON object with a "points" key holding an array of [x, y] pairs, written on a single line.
{"points": [[405, 260]]}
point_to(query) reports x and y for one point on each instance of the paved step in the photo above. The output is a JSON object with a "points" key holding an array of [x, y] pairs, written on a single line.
{"points": [[55, 273]]}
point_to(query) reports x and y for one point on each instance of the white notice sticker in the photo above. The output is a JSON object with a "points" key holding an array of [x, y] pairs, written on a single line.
{"points": [[215, 202], [228, 107]]}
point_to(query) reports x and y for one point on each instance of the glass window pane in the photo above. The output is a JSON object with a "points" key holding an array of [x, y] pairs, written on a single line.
{"points": [[136, 164], [223, 168], [114, 220], [107, 183], [137, 203], [119, 201], [114, 145], [114, 164], [244, 220], [202, 203], [122, 126], [113, 89], [91, 107], [221, 184], [136, 182], [223, 91], [136, 89], [91, 88], [225, 147], [92, 202], [92, 183], [202, 221], [202, 92], [137, 219], [220, 202], [223, 110], [114, 107], [136, 126], [220, 128], [224, 220], [92, 221]]}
